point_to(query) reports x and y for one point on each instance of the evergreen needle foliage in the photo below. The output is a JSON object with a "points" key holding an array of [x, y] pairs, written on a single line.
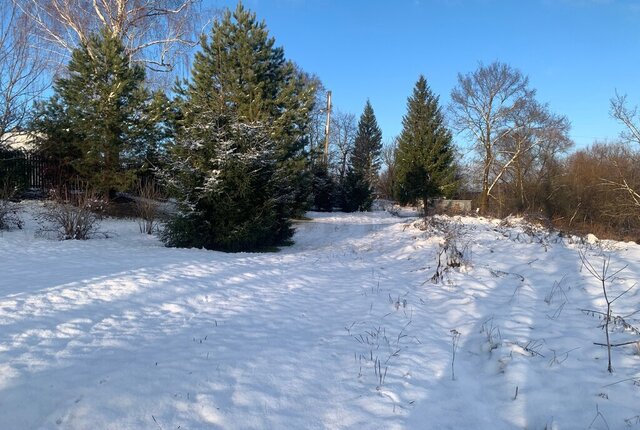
{"points": [[225, 174], [240, 69], [323, 187], [238, 165], [101, 123], [364, 163], [425, 165]]}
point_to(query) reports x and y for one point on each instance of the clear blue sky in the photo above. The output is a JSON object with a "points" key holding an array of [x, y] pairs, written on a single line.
{"points": [[577, 53]]}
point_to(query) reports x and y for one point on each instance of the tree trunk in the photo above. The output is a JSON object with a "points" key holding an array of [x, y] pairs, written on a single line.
{"points": [[484, 197], [425, 204], [488, 160]]}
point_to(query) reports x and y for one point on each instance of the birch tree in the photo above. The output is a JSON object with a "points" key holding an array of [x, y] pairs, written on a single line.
{"points": [[343, 133], [154, 32], [629, 117], [20, 71], [523, 155], [484, 105]]}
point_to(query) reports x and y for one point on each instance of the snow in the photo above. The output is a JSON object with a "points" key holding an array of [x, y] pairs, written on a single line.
{"points": [[344, 329]]}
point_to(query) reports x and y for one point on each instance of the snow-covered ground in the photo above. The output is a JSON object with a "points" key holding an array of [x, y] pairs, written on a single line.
{"points": [[344, 329]]}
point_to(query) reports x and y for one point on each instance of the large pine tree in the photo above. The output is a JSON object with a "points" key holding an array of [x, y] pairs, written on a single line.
{"points": [[425, 165], [239, 68], [364, 163], [101, 123], [225, 175], [238, 164]]}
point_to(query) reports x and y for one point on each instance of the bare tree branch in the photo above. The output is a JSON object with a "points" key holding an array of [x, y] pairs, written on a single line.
{"points": [[20, 72], [484, 105], [155, 32], [628, 116], [343, 133]]}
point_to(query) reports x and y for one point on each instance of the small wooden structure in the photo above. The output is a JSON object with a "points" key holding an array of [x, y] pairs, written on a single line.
{"points": [[446, 206]]}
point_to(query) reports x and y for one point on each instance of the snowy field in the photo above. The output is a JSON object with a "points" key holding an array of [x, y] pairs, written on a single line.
{"points": [[344, 329]]}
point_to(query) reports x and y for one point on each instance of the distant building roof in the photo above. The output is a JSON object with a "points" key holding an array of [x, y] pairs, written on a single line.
{"points": [[18, 140]]}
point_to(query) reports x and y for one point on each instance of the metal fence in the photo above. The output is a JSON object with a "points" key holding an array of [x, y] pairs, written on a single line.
{"points": [[22, 169]]}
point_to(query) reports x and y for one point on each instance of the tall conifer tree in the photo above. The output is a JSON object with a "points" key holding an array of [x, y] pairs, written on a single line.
{"points": [[239, 166], [101, 120], [367, 145], [425, 159], [240, 69], [364, 163]]}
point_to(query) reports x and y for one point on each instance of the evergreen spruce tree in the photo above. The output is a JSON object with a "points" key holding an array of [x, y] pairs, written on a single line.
{"points": [[357, 193], [224, 172], [425, 159], [238, 165], [99, 125], [322, 187], [239, 68]]}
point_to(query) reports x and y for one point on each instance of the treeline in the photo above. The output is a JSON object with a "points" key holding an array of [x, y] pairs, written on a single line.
{"points": [[520, 158], [240, 143], [231, 144]]}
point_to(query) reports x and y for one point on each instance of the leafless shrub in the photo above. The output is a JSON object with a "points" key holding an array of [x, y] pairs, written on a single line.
{"points": [[9, 217], [492, 334], [531, 347], [599, 416], [373, 340], [438, 224], [635, 420], [531, 229], [72, 214], [596, 192], [558, 295], [452, 253], [557, 291], [147, 206], [560, 357], [605, 277]]}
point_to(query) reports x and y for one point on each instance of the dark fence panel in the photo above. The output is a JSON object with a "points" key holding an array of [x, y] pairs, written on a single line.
{"points": [[22, 169]]}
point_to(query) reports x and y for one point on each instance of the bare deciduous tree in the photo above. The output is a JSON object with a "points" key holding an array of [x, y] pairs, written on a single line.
{"points": [[20, 71], [343, 133], [318, 117], [485, 104], [155, 32], [523, 154], [629, 117], [386, 182]]}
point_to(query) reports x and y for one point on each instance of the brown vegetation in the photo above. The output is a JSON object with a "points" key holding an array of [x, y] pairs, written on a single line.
{"points": [[586, 192]]}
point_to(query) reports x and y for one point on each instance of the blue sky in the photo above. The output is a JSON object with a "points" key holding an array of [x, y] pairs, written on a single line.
{"points": [[577, 53]]}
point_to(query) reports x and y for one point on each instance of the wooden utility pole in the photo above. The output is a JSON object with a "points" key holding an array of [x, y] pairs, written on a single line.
{"points": [[326, 129]]}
